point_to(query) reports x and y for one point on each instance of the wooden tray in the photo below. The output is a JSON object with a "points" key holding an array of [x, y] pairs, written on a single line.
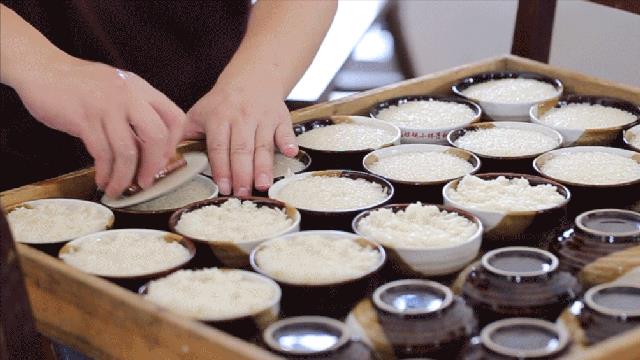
{"points": [[106, 321]]}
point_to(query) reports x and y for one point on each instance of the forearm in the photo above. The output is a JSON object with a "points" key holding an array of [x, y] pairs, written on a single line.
{"points": [[281, 40], [24, 51]]}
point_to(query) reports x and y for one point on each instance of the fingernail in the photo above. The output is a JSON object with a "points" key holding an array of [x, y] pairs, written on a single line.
{"points": [[243, 192], [291, 149], [224, 185], [145, 183], [263, 181]]}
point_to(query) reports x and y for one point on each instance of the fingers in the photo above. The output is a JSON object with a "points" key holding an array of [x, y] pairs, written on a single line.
{"points": [[286, 138], [95, 140], [172, 116], [153, 136], [263, 157], [125, 153], [218, 134], [241, 151]]}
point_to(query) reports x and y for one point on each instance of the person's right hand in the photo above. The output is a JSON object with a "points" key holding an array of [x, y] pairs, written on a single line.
{"points": [[126, 124]]}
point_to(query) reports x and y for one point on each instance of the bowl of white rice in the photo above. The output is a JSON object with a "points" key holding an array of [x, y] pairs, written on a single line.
{"points": [[237, 301], [422, 239], [283, 165], [49, 223], [155, 213], [508, 96], [128, 256], [632, 138], [341, 141], [419, 171], [330, 199], [321, 272], [427, 119], [506, 145], [598, 176], [232, 227], [587, 120], [513, 208]]}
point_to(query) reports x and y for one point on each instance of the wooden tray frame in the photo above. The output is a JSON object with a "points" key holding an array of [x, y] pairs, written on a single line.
{"points": [[107, 322]]}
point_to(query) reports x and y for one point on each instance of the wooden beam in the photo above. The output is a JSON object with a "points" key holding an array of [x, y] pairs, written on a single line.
{"points": [[534, 26], [632, 6]]}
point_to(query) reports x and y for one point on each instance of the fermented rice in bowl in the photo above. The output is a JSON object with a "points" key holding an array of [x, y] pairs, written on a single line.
{"points": [[125, 253], [199, 188], [504, 195], [427, 114], [331, 193], [234, 221], [421, 166], [213, 294], [284, 166], [346, 137], [586, 116], [57, 220], [316, 258], [506, 142], [511, 91], [418, 226], [592, 168]]}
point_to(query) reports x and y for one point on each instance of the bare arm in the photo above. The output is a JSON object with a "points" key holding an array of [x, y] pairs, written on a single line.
{"points": [[244, 115], [123, 121]]}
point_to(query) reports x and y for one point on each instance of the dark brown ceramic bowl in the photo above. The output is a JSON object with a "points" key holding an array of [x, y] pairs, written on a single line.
{"points": [[327, 299], [596, 233], [587, 197], [424, 191], [349, 159], [610, 309], [414, 318], [130, 217], [519, 338], [514, 164], [519, 281], [293, 339], [579, 137], [53, 247], [510, 111], [434, 261], [426, 135], [133, 281], [230, 253], [531, 228], [332, 219], [246, 327]]}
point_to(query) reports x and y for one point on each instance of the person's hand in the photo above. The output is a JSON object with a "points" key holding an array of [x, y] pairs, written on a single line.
{"points": [[125, 123], [242, 120]]}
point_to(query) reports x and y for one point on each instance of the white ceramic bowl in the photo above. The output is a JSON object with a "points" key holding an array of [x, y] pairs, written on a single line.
{"points": [[505, 111]]}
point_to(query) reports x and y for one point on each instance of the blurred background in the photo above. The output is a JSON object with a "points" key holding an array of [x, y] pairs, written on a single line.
{"points": [[373, 43]]}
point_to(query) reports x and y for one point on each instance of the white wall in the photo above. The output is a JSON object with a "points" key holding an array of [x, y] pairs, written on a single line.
{"points": [[587, 37]]}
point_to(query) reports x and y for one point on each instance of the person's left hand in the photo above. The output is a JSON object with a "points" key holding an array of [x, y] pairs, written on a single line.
{"points": [[242, 120]]}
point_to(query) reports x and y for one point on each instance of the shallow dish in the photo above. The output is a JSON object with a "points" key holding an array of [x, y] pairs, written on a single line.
{"points": [[587, 136], [506, 111], [53, 246], [332, 219], [133, 281], [131, 217], [518, 164], [424, 191], [246, 326], [333, 299], [588, 196], [414, 135], [348, 159], [414, 318], [234, 253], [432, 261], [631, 135], [516, 227]]}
